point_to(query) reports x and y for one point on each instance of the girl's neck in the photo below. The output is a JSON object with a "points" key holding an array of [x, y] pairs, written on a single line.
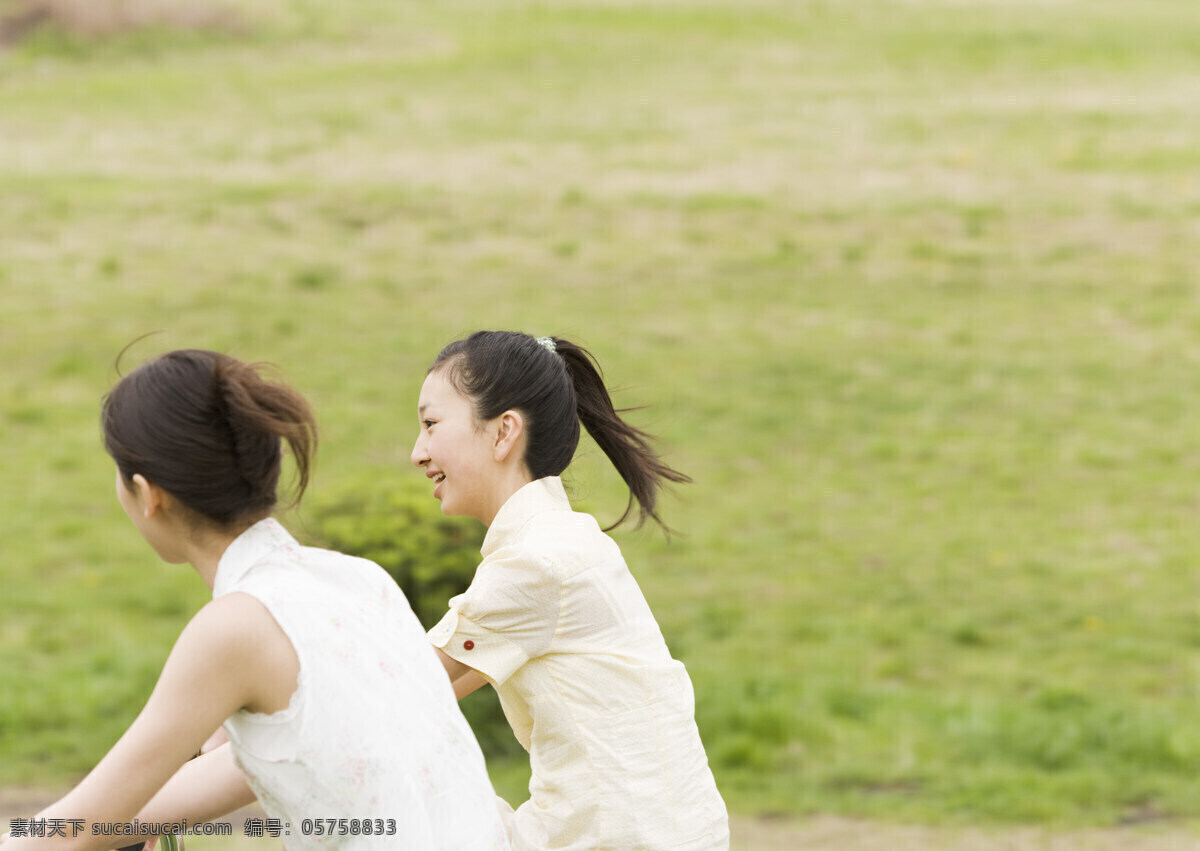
{"points": [[510, 481], [205, 547]]}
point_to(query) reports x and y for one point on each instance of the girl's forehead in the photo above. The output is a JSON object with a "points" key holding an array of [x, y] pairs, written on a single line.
{"points": [[435, 386], [438, 391]]}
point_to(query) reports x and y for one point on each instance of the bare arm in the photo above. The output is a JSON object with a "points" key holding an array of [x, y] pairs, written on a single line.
{"points": [[204, 789], [232, 655], [215, 741], [464, 678]]}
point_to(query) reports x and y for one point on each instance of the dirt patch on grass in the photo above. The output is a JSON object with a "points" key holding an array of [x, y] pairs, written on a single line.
{"points": [[828, 833], [106, 18]]}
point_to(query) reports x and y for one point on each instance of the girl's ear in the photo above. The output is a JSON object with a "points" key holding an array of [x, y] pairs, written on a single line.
{"points": [[151, 497], [510, 432]]}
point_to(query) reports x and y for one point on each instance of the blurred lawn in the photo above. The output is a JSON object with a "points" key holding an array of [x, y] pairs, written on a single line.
{"points": [[907, 285]]}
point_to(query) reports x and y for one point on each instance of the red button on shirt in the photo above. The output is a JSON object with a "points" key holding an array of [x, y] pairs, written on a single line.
{"points": [[468, 645]]}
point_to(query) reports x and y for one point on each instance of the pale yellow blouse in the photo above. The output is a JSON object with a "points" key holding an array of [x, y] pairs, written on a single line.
{"points": [[557, 624]]}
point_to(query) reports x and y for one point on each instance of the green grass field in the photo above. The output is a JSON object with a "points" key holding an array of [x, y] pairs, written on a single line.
{"points": [[906, 286]]}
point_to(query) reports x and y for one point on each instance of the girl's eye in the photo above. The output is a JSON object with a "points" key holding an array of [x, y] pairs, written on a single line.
{"points": [[427, 423]]}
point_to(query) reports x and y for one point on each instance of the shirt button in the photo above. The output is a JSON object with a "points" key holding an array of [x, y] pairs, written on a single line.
{"points": [[468, 645]]}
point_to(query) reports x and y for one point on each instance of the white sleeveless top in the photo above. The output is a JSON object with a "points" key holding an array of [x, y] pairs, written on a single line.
{"points": [[373, 732]]}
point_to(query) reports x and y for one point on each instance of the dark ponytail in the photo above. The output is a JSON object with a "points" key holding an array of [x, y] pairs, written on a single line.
{"points": [[627, 447], [208, 429], [556, 385]]}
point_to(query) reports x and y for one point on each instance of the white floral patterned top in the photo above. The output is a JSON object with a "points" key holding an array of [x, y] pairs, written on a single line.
{"points": [[373, 733]]}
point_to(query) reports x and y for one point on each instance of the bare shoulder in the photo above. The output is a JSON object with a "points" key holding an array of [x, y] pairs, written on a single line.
{"points": [[236, 626], [236, 615], [236, 638]]}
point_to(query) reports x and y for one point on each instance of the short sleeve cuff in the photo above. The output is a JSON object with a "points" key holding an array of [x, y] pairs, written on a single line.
{"points": [[465, 641]]}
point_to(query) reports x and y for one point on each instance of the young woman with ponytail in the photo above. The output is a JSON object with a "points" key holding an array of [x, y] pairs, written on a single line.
{"points": [[553, 619], [332, 703]]}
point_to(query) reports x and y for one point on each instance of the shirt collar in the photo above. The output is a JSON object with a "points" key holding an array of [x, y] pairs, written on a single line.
{"points": [[539, 495], [248, 549]]}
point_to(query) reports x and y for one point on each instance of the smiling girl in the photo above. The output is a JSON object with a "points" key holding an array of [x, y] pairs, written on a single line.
{"points": [[553, 618]]}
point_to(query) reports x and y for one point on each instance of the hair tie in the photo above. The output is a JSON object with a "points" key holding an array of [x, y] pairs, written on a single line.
{"points": [[547, 343]]}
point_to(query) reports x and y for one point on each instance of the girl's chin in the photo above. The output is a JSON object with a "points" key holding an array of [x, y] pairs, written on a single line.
{"points": [[451, 510]]}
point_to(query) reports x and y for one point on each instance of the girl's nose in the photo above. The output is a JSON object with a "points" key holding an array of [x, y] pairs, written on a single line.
{"points": [[418, 457]]}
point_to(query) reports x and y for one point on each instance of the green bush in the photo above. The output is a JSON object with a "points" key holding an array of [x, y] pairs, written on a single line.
{"points": [[432, 557]]}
